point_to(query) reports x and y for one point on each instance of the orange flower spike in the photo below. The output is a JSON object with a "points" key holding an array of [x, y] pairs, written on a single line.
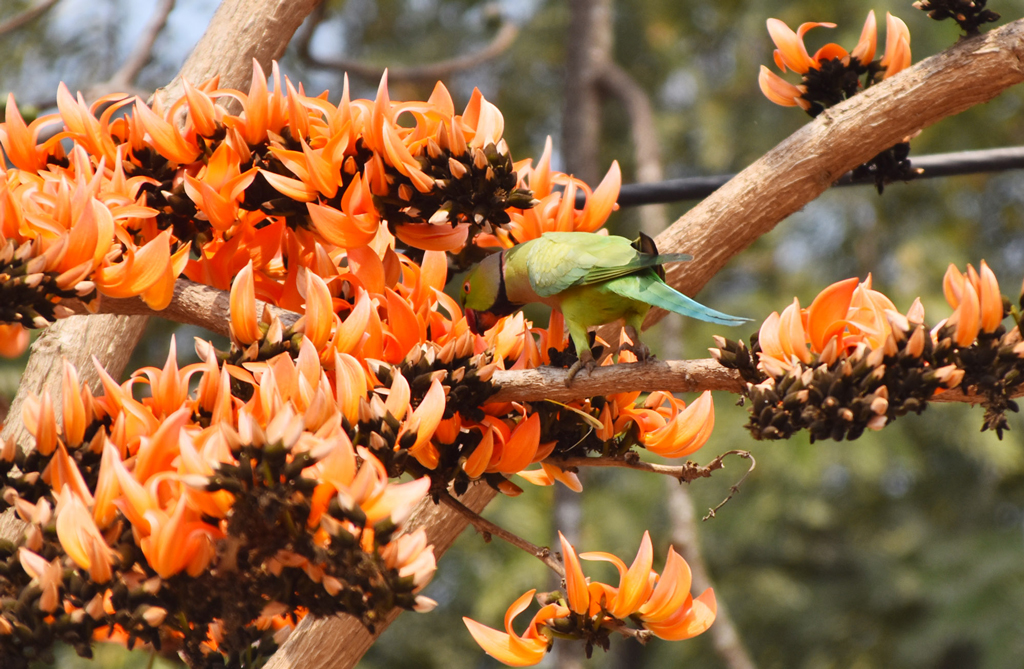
{"points": [[791, 333], [991, 299], [398, 399], [73, 413], [48, 575], [519, 450], [20, 141], [897, 46], [82, 126], [107, 489], [350, 386], [967, 317], [338, 227], [395, 501], [166, 139], [158, 296], [601, 202], [671, 592], [81, 539], [688, 431], [953, 285], [135, 501], [424, 420], [827, 313], [62, 471], [41, 421], [201, 110], [575, 582], [433, 237], [157, 452], [408, 330], [480, 458], [257, 107], [140, 270], [689, 620], [791, 51], [319, 311], [864, 52], [635, 585], [508, 647]]}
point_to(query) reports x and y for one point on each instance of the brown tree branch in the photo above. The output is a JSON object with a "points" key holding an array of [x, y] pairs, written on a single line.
{"points": [[208, 308], [27, 16], [429, 72]]}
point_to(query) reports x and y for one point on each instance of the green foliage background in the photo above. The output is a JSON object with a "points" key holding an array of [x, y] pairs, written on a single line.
{"points": [[904, 548]]}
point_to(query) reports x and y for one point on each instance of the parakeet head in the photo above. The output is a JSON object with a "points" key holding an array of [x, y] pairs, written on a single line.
{"points": [[483, 294]]}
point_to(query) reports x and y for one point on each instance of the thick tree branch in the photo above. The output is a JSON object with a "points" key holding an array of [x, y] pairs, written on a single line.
{"points": [[193, 304], [27, 16], [428, 73], [208, 308], [804, 165]]}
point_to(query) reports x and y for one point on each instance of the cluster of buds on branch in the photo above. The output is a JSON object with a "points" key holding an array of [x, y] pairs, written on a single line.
{"points": [[852, 362], [970, 15]]}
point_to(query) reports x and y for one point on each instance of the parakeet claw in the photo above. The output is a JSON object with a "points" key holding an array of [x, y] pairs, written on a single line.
{"points": [[639, 349], [586, 359]]}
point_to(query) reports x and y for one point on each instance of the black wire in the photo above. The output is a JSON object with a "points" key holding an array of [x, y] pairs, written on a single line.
{"points": [[935, 165]]}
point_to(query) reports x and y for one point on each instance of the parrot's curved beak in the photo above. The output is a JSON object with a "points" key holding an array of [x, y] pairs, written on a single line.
{"points": [[480, 321]]}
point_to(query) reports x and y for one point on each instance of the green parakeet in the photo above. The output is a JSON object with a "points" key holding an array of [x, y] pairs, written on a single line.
{"points": [[592, 279]]}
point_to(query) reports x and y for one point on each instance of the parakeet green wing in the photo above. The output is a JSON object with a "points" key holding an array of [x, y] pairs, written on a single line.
{"points": [[649, 288], [558, 261]]}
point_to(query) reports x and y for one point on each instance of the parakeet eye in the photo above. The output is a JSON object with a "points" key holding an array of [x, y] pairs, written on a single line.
{"points": [[465, 288]]}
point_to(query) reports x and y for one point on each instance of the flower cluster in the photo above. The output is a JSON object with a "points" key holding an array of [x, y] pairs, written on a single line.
{"points": [[970, 15], [659, 604], [851, 361], [210, 520], [181, 520], [832, 74]]}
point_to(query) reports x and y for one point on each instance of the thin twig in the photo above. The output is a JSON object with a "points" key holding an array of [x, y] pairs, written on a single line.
{"points": [[734, 488], [27, 16], [642, 636], [685, 473], [487, 529], [428, 72]]}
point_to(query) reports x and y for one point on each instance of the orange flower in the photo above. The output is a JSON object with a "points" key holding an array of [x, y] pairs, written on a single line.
{"points": [[81, 539], [687, 429], [897, 46], [508, 647], [976, 300], [21, 143], [791, 53], [48, 575], [840, 318]]}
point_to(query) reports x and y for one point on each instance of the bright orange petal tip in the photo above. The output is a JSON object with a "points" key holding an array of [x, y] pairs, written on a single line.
{"points": [[429, 237], [244, 325]]}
